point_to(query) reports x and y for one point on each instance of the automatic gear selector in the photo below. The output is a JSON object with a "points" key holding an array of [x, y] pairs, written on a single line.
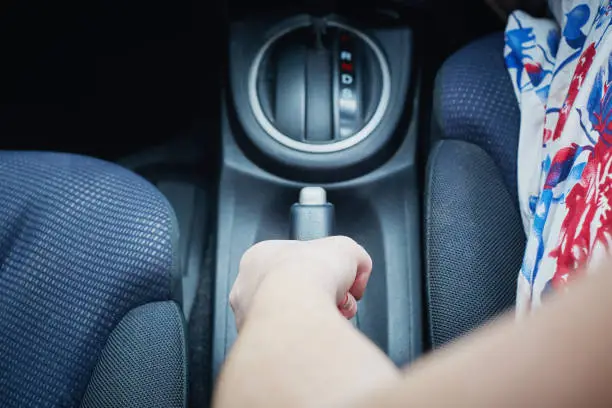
{"points": [[319, 87], [319, 93]]}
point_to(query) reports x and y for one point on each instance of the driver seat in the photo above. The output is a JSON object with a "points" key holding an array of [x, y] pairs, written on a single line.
{"points": [[89, 307]]}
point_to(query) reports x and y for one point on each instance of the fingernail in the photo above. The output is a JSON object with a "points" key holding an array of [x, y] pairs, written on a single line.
{"points": [[346, 303]]}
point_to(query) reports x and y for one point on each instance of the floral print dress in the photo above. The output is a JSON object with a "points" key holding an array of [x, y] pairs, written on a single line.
{"points": [[561, 70]]}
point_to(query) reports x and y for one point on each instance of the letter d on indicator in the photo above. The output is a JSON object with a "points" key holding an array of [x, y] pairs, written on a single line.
{"points": [[347, 79]]}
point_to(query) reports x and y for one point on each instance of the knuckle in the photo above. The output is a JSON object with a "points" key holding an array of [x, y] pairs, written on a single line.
{"points": [[233, 298], [256, 249], [251, 254], [262, 251], [344, 241]]}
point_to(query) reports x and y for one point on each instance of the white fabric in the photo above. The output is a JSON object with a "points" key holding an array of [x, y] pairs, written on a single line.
{"points": [[561, 75]]}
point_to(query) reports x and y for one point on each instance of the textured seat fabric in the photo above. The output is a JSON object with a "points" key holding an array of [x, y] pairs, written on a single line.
{"points": [[143, 363], [82, 244], [474, 241], [474, 101]]}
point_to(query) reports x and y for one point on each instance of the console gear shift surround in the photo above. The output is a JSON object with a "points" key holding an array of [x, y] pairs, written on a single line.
{"points": [[319, 87], [314, 128]]}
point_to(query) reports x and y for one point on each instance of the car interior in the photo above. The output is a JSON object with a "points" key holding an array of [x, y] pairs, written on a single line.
{"points": [[402, 110]]}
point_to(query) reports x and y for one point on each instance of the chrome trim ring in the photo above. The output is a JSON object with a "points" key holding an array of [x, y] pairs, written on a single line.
{"points": [[351, 141]]}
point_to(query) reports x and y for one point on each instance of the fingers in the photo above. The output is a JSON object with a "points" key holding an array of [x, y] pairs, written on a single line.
{"points": [[339, 266], [364, 271], [347, 246], [357, 264], [363, 263], [348, 308]]}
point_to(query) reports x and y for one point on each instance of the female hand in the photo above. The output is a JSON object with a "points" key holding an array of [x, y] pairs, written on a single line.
{"points": [[337, 266]]}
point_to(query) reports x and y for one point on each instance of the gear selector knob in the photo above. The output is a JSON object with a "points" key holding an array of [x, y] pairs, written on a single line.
{"points": [[312, 217]]}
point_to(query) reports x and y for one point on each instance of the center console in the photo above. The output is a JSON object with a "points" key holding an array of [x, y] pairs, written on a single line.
{"points": [[324, 101]]}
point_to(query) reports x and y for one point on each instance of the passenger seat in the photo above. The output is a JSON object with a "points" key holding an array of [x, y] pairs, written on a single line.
{"points": [[474, 238]]}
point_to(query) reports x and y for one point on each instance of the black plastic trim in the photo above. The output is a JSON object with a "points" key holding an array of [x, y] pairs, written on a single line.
{"points": [[246, 39]]}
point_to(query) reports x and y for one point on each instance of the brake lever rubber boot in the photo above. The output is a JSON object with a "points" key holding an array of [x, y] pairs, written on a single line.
{"points": [[312, 217]]}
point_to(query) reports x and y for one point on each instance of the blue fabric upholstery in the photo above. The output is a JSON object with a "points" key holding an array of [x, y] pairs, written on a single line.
{"points": [[475, 102], [472, 186], [471, 267], [82, 242]]}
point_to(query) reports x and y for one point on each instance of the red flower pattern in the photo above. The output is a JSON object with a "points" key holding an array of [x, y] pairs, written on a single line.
{"points": [[590, 195], [589, 203], [584, 63]]}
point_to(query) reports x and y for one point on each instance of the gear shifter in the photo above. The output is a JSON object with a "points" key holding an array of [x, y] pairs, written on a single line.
{"points": [[312, 217]]}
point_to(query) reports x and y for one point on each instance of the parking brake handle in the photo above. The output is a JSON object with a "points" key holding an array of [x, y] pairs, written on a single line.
{"points": [[312, 217]]}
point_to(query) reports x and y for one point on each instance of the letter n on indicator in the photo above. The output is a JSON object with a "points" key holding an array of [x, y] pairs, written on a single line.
{"points": [[347, 79]]}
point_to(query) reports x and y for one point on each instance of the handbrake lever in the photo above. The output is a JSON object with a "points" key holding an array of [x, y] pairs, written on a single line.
{"points": [[312, 217]]}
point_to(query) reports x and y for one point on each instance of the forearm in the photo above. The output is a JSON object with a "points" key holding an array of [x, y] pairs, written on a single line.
{"points": [[295, 350], [558, 357]]}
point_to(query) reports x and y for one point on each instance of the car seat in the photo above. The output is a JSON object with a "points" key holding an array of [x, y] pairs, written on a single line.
{"points": [[474, 239]]}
